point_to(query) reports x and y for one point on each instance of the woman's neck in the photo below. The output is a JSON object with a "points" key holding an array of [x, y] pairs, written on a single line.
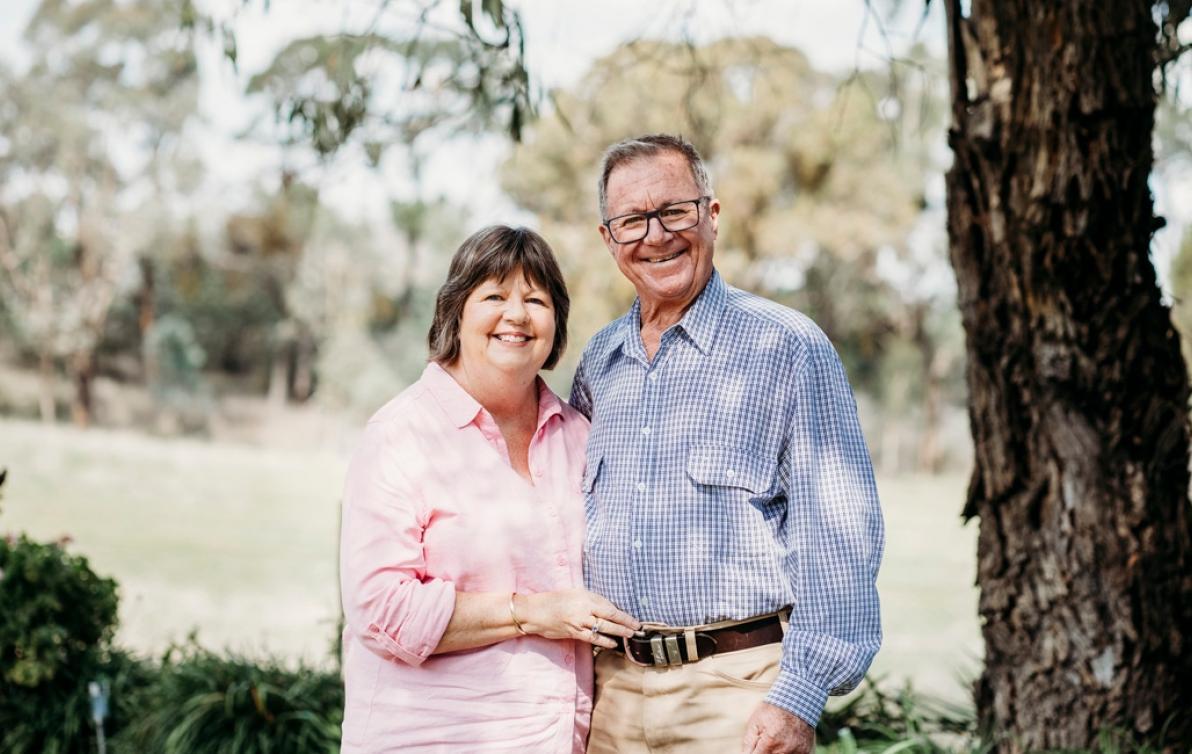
{"points": [[508, 397]]}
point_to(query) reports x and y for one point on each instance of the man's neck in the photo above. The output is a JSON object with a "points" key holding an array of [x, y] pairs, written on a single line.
{"points": [[655, 321]]}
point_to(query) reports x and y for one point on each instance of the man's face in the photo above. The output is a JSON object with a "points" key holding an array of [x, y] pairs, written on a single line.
{"points": [[668, 269]]}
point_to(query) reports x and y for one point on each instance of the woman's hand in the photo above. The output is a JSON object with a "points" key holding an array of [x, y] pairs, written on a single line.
{"points": [[572, 614]]}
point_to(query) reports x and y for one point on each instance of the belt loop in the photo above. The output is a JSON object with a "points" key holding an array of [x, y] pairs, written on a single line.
{"points": [[692, 650]]}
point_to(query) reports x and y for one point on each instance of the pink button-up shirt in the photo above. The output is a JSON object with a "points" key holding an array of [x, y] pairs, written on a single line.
{"points": [[431, 506]]}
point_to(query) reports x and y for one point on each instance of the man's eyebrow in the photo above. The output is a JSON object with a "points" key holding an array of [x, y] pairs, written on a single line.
{"points": [[642, 211]]}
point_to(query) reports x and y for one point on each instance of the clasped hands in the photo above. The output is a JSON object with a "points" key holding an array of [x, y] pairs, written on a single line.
{"points": [[574, 614]]}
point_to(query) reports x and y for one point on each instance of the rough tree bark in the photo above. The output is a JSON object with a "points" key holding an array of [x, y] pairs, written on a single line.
{"points": [[1078, 393]]}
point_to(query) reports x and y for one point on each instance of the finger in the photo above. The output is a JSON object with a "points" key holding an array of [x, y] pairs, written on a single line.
{"points": [[748, 745], [609, 626], [615, 629], [609, 612], [597, 639]]}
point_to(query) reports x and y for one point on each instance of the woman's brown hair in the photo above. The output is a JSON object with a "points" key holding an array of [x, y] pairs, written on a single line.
{"points": [[493, 253]]}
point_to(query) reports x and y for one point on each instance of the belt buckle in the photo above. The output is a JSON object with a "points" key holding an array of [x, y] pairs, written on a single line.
{"points": [[664, 650]]}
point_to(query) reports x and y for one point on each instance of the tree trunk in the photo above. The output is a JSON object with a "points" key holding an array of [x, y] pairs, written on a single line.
{"points": [[930, 453], [146, 296], [1078, 395], [83, 370], [46, 403]]}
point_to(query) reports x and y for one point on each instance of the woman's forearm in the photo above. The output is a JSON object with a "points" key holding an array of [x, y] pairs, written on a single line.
{"points": [[479, 619]]}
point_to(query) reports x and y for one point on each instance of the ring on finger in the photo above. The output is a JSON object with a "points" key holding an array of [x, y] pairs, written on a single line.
{"points": [[596, 627]]}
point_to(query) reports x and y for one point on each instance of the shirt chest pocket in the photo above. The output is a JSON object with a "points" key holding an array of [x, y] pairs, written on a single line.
{"points": [[732, 468]]}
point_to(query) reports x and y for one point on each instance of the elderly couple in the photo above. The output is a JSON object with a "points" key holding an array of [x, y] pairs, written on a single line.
{"points": [[708, 473]]}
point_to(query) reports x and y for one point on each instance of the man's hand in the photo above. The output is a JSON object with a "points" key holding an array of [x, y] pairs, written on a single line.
{"points": [[775, 731]]}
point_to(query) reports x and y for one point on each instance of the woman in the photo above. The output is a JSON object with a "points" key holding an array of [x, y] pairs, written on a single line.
{"points": [[463, 528]]}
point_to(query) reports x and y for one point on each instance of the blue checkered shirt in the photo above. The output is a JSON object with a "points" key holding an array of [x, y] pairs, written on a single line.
{"points": [[729, 478]]}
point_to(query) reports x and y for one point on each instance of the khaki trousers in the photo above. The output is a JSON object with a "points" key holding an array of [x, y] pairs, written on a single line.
{"points": [[698, 708]]}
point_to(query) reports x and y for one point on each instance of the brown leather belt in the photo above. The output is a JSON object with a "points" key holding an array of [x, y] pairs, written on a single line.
{"points": [[664, 647]]}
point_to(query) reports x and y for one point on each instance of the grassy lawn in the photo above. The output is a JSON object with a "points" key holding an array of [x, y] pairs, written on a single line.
{"points": [[234, 541], [239, 542]]}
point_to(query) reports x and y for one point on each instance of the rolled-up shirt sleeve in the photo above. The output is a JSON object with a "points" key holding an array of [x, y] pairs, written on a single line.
{"points": [[836, 541], [389, 602]]}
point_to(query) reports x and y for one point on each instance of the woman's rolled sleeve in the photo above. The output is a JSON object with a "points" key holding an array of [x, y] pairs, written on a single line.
{"points": [[390, 603]]}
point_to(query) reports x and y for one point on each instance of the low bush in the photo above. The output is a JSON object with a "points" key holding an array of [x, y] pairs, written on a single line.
{"points": [[882, 722], [57, 618], [203, 703]]}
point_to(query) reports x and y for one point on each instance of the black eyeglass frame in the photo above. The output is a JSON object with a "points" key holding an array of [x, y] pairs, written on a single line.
{"points": [[656, 215]]}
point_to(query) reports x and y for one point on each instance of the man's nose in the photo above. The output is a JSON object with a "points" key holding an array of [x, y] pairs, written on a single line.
{"points": [[655, 233]]}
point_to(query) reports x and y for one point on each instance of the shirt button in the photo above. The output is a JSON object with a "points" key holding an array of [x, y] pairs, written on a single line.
{"points": [[643, 601], [568, 659], [653, 377], [561, 560], [637, 544], [645, 430], [730, 473], [641, 486]]}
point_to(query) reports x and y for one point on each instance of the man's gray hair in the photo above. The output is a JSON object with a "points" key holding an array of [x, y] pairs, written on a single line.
{"points": [[650, 145]]}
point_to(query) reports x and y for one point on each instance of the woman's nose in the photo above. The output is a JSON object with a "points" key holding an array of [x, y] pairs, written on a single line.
{"points": [[515, 310]]}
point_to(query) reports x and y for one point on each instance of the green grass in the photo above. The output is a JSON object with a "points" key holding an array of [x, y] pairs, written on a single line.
{"points": [[240, 543], [929, 601], [236, 541]]}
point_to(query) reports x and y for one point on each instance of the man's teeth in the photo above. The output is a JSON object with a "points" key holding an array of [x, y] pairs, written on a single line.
{"points": [[664, 259], [513, 338]]}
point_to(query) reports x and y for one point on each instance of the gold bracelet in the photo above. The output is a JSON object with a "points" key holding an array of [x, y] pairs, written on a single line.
{"points": [[513, 614]]}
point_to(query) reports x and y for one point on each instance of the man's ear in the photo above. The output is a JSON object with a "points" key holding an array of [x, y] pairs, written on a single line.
{"points": [[714, 215], [607, 238]]}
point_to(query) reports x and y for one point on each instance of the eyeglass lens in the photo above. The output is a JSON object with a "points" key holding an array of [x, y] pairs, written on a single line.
{"points": [[674, 217]]}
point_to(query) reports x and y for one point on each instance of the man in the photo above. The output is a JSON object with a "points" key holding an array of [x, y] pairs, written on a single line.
{"points": [[730, 498]]}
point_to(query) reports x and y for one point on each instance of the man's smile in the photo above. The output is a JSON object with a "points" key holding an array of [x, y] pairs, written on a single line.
{"points": [[667, 258]]}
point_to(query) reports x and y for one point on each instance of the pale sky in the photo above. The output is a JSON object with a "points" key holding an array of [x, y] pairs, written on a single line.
{"points": [[563, 38]]}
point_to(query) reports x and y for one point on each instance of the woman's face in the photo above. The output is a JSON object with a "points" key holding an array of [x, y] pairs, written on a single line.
{"points": [[507, 325]]}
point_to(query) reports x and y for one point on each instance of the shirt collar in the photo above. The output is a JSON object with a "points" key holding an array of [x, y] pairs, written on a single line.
{"points": [[699, 321], [461, 408], [702, 318]]}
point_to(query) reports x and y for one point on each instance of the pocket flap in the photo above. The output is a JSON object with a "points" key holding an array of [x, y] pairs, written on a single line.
{"points": [[731, 467]]}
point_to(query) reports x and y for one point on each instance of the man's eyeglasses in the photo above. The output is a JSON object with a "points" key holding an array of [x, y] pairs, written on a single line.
{"points": [[673, 217]]}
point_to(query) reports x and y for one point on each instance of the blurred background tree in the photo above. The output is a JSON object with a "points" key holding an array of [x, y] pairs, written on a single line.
{"points": [[107, 78], [823, 180]]}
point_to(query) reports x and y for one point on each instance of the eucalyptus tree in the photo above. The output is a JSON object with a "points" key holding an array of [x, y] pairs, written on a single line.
{"points": [[818, 201], [91, 145], [1078, 395]]}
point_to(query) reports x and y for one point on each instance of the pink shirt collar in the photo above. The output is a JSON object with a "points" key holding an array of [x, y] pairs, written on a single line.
{"points": [[462, 409]]}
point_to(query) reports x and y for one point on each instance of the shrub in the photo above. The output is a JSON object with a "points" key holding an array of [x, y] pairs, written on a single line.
{"points": [[202, 703], [874, 720], [56, 623]]}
